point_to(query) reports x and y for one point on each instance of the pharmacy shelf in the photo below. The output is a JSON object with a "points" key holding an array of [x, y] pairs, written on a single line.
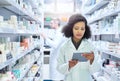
{"points": [[96, 7], [8, 62], [27, 32], [112, 76], [12, 60], [23, 75], [113, 13], [22, 54], [16, 8], [40, 65], [13, 7], [4, 3], [32, 79], [107, 36], [110, 37], [7, 30], [99, 76], [95, 77], [12, 31], [103, 79], [39, 78], [111, 53], [33, 3], [108, 52]]}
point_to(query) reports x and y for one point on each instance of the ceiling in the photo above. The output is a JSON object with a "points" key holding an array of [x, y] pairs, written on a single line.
{"points": [[62, 6]]}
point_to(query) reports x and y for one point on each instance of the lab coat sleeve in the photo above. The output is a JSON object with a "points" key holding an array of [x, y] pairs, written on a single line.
{"points": [[95, 66], [62, 66], [55, 42]]}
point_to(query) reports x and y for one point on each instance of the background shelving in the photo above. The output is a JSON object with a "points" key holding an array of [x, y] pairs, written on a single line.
{"points": [[113, 76], [28, 69], [103, 17], [20, 24], [96, 6], [12, 60], [19, 10]]}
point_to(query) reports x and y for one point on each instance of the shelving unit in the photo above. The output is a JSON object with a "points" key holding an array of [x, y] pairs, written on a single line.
{"points": [[96, 6], [113, 77], [17, 9], [33, 76], [15, 59], [23, 75], [16, 36], [98, 14], [112, 54], [104, 16]]}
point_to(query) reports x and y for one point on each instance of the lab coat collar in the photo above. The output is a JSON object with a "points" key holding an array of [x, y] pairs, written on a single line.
{"points": [[82, 45]]}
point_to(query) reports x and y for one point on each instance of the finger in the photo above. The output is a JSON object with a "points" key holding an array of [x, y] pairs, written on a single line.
{"points": [[92, 52], [84, 55]]}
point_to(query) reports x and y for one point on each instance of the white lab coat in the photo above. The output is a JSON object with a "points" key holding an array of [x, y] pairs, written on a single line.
{"points": [[55, 45], [82, 70]]}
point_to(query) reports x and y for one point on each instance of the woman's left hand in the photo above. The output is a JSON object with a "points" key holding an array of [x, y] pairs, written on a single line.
{"points": [[89, 56]]}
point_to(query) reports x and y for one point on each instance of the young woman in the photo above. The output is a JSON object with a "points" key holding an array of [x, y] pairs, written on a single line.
{"points": [[77, 32]]}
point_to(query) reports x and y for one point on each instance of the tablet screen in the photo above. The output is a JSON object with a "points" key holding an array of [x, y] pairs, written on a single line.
{"points": [[79, 57]]}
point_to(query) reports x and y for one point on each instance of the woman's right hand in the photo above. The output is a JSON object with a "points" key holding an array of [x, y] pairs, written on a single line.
{"points": [[72, 63]]}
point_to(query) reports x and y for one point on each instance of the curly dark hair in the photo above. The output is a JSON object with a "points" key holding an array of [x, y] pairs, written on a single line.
{"points": [[67, 29]]}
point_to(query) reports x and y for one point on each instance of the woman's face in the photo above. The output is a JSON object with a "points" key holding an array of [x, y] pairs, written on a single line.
{"points": [[54, 24], [78, 30]]}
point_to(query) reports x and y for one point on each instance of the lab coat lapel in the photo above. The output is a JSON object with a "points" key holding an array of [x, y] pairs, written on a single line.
{"points": [[82, 45], [71, 44]]}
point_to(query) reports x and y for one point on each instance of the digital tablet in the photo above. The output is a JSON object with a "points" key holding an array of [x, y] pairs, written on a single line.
{"points": [[79, 57]]}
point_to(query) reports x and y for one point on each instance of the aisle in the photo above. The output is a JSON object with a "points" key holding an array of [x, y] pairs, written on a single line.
{"points": [[46, 72], [46, 76]]}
